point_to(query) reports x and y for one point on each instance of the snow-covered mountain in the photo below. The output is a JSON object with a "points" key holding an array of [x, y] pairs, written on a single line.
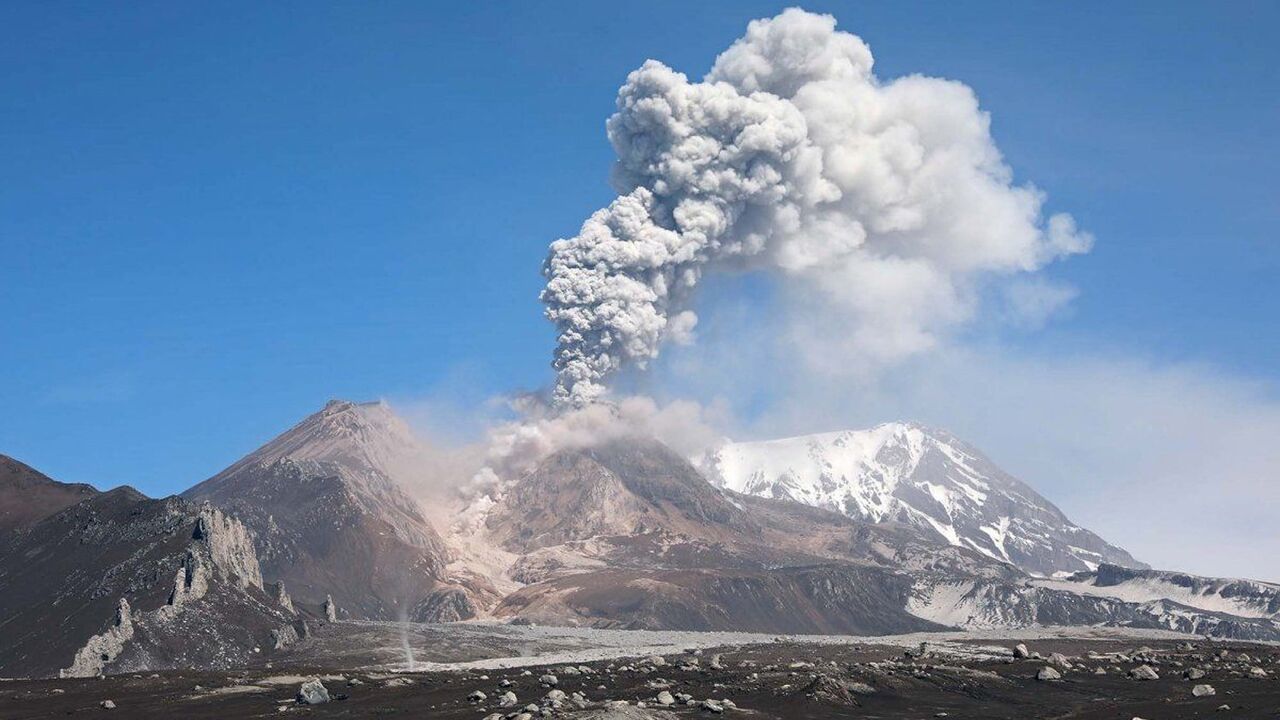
{"points": [[925, 477]]}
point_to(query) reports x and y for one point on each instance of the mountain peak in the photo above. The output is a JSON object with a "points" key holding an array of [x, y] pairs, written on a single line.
{"points": [[907, 472], [28, 495], [358, 435], [328, 502]]}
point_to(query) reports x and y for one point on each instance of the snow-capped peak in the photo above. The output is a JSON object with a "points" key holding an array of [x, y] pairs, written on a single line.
{"points": [[910, 473], [848, 471]]}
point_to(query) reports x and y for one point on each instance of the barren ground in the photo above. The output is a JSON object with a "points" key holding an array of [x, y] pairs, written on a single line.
{"points": [[961, 675]]}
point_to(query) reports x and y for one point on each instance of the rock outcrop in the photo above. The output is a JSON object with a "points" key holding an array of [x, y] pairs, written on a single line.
{"points": [[103, 647], [120, 582]]}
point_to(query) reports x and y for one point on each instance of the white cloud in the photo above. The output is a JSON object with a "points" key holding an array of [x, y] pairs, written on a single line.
{"points": [[1032, 302], [884, 204]]}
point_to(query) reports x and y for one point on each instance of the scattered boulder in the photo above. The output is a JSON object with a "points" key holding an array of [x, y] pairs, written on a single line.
{"points": [[508, 699], [623, 711], [1257, 672], [825, 688], [549, 680], [1144, 672], [476, 696], [1047, 673], [1059, 660], [1194, 673], [1020, 651], [313, 692], [665, 698], [1203, 690], [107, 705]]}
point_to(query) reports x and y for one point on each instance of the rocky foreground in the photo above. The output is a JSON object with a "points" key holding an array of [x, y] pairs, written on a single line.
{"points": [[960, 677]]}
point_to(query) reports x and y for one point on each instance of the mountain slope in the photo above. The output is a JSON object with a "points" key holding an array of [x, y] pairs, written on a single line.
{"points": [[629, 534], [615, 489], [911, 474], [120, 582], [28, 496], [329, 517]]}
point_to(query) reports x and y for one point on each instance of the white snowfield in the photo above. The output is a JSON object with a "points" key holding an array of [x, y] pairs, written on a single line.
{"points": [[1242, 598], [909, 473]]}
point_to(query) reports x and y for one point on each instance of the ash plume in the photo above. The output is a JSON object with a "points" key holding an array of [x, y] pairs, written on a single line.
{"points": [[884, 202]]}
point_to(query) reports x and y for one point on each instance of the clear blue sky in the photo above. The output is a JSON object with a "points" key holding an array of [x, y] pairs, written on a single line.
{"points": [[215, 217]]}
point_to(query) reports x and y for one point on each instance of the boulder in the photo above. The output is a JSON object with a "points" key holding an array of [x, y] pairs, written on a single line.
{"points": [[1144, 672], [1048, 673], [1059, 660], [313, 692]]}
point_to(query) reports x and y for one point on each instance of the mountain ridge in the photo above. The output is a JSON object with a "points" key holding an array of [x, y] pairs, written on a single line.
{"points": [[621, 533], [28, 495]]}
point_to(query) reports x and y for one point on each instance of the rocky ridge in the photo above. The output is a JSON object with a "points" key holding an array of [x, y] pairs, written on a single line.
{"points": [[120, 582]]}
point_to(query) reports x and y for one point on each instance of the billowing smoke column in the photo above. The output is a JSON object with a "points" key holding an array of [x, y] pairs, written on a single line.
{"points": [[886, 200]]}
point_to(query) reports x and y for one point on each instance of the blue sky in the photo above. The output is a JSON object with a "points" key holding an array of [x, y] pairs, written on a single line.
{"points": [[214, 218]]}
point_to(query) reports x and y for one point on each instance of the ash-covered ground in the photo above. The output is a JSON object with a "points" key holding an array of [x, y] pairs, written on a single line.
{"points": [[490, 672]]}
